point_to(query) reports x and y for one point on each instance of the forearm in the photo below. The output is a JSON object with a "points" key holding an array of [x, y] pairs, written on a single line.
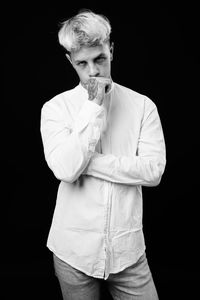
{"points": [[145, 166], [127, 170], [69, 149]]}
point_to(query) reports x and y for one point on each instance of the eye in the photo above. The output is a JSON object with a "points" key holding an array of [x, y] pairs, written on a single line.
{"points": [[81, 64], [100, 59]]}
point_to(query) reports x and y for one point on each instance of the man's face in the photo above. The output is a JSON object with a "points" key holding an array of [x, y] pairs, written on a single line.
{"points": [[92, 62]]}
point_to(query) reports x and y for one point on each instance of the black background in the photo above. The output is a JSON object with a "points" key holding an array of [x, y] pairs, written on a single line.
{"points": [[156, 54]]}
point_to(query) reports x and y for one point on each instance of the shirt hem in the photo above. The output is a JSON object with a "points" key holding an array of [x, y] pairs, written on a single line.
{"points": [[121, 269], [73, 265]]}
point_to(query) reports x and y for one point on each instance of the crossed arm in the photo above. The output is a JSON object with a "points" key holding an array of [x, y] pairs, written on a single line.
{"points": [[70, 152]]}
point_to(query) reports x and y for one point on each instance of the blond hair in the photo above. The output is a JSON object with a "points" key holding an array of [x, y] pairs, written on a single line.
{"points": [[84, 29]]}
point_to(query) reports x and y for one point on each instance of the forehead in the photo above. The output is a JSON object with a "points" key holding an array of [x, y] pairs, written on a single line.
{"points": [[87, 53]]}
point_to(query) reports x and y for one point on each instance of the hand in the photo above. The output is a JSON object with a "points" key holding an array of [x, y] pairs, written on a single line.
{"points": [[97, 88]]}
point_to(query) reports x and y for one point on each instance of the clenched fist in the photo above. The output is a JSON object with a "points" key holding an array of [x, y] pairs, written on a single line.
{"points": [[97, 87]]}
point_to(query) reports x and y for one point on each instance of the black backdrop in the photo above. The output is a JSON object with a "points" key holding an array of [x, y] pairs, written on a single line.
{"points": [[156, 53]]}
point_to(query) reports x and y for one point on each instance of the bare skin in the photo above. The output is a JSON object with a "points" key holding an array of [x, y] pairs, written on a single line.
{"points": [[97, 88], [93, 66]]}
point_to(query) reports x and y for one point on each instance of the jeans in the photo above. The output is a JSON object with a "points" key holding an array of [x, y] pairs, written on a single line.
{"points": [[133, 283]]}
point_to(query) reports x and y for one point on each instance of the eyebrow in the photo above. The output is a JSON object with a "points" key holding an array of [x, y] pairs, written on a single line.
{"points": [[101, 55], [98, 56]]}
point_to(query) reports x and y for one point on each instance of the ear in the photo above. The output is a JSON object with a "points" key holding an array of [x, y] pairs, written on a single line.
{"points": [[68, 57], [111, 51]]}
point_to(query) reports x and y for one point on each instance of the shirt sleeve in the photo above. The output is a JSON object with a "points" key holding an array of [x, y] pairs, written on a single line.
{"points": [[144, 168], [67, 148]]}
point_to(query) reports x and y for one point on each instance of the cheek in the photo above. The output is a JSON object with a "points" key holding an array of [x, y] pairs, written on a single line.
{"points": [[106, 69], [81, 74]]}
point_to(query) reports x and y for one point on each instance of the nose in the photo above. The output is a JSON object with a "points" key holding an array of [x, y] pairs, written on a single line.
{"points": [[93, 70]]}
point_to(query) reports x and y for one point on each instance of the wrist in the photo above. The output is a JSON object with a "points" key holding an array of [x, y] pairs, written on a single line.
{"points": [[98, 100]]}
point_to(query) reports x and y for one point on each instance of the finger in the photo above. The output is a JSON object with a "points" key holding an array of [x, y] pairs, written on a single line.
{"points": [[92, 88], [106, 82], [92, 84], [103, 80]]}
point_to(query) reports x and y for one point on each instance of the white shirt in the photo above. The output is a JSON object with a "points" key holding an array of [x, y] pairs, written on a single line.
{"points": [[102, 155]]}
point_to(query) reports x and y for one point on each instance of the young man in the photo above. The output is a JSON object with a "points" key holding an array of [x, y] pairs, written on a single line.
{"points": [[103, 142]]}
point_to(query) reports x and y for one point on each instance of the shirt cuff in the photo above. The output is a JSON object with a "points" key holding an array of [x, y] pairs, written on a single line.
{"points": [[89, 113]]}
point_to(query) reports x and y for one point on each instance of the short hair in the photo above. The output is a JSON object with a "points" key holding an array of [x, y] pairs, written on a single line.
{"points": [[84, 29]]}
